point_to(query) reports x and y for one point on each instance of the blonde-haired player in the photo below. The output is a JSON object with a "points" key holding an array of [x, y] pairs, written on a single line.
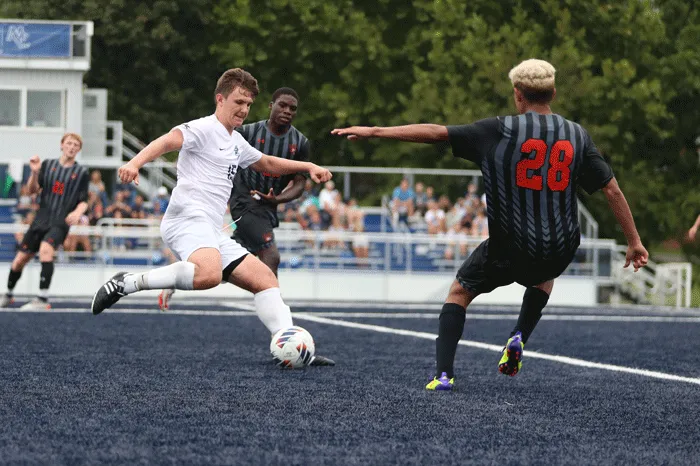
{"points": [[532, 165]]}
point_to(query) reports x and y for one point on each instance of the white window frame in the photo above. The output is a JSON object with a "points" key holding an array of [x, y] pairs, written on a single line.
{"points": [[23, 90]]}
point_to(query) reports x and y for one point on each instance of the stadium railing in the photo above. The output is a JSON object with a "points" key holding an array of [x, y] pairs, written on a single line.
{"points": [[137, 242]]}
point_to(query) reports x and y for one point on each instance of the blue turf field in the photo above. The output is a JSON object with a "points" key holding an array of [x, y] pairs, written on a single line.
{"points": [[128, 387]]}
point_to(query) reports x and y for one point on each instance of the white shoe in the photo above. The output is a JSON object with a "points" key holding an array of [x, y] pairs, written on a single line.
{"points": [[36, 304], [164, 298], [5, 301]]}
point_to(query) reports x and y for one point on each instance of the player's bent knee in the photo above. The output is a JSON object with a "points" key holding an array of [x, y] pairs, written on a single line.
{"points": [[206, 278]]}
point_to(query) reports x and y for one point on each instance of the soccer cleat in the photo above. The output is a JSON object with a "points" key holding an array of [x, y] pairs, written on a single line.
{"points": [[512, 359], [36, 304], [164, 298], [109, 293], [321, 361], [442, 384], [6, 301]]}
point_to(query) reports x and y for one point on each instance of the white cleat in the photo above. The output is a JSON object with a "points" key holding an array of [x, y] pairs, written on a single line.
{"points": [[164, 298], [36, 304], [6, 301]]}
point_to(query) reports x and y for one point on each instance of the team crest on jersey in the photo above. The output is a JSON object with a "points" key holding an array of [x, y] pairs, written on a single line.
{"points": [[73, 176], [292, 149], [235, 151], [232, 170]]}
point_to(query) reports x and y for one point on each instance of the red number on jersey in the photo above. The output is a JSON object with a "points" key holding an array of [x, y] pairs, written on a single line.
{"points": [[559, 173], [58, 188]]}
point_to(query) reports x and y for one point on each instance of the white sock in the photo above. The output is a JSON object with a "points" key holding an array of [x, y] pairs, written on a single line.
{"points": [[179, 275], [272, 311]]}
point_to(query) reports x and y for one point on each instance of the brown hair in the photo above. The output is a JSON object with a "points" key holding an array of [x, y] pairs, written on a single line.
{"points": [[233, 78], [74, 136]]}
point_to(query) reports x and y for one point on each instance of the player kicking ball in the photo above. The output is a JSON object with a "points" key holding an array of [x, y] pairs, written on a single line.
{"points": [[210, 153]]}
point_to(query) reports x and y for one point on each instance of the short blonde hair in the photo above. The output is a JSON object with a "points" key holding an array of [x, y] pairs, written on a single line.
{"points": [[533, 75], [75, 136]]}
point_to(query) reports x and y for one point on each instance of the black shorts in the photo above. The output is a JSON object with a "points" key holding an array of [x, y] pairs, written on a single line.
{"points": [[54, 235], [485, 270], [254, 229]]}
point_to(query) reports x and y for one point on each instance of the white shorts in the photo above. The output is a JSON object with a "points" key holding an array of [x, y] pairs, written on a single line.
{"points": [[184, 235]]}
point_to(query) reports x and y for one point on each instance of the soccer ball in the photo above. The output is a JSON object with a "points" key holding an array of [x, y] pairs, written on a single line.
{"points": [[292, 347]]}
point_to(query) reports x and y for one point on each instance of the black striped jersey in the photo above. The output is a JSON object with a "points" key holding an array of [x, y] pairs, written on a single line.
{"points": [[292, 145], [63, 188], [532, 165]]}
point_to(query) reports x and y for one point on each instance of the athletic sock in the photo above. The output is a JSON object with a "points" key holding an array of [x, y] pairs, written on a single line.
{"points": [[534, 300], [179, 275], [452, 320], [12, 280], [272, 311]]}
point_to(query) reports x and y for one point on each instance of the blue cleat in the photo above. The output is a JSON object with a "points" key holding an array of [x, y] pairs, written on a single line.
{"points": [[442, 384]]}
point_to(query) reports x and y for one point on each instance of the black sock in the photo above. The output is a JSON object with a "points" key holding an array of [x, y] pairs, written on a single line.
{"points": [[12, 280], [45, 280], [451, 327], [534, 301]]}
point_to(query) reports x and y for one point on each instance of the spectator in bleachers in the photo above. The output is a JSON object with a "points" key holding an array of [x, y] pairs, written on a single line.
{"points": [[308, 198], [121, 205], [161, 201], [97, 186], [429, 194], [335, 241], [118, 242], [328, 197], [457, 236], [354, 214], [95, 208], [25, 201], [480, 224], [435, 218], [444, 203], [78, 242], [402, 203], [311, 219], [455, 215], [26, 220], [360, 242], [472, 194], [421, 199], [138, 209]]}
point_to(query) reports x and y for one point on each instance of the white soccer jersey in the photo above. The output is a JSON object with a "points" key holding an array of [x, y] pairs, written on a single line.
{"points": [[206, 167]]}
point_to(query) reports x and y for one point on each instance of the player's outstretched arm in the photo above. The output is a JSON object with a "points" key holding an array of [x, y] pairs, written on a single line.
{"points": [[166, 143], [422, 132], [694, 229], [636, 253], [280, 166]]}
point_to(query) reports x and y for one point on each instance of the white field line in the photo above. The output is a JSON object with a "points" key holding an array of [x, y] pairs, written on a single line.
{"points": [[394, 331], [498, 349]]}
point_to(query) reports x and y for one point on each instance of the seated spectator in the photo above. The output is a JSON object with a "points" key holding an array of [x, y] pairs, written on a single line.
{"points": [[429, 194], [26, 220], [421, 199], [160, 202], [360, 242], [121, 204], [402, 203], [97, 186], [309, 198], [24, 203], [480, 224], [311, 219], [335, 241], [458, 236], [328, 197], [471, 194], [95, 209], [138, 209], [78, 242], [118, 242], [455, 215], [435, 218], [354, 213]]}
